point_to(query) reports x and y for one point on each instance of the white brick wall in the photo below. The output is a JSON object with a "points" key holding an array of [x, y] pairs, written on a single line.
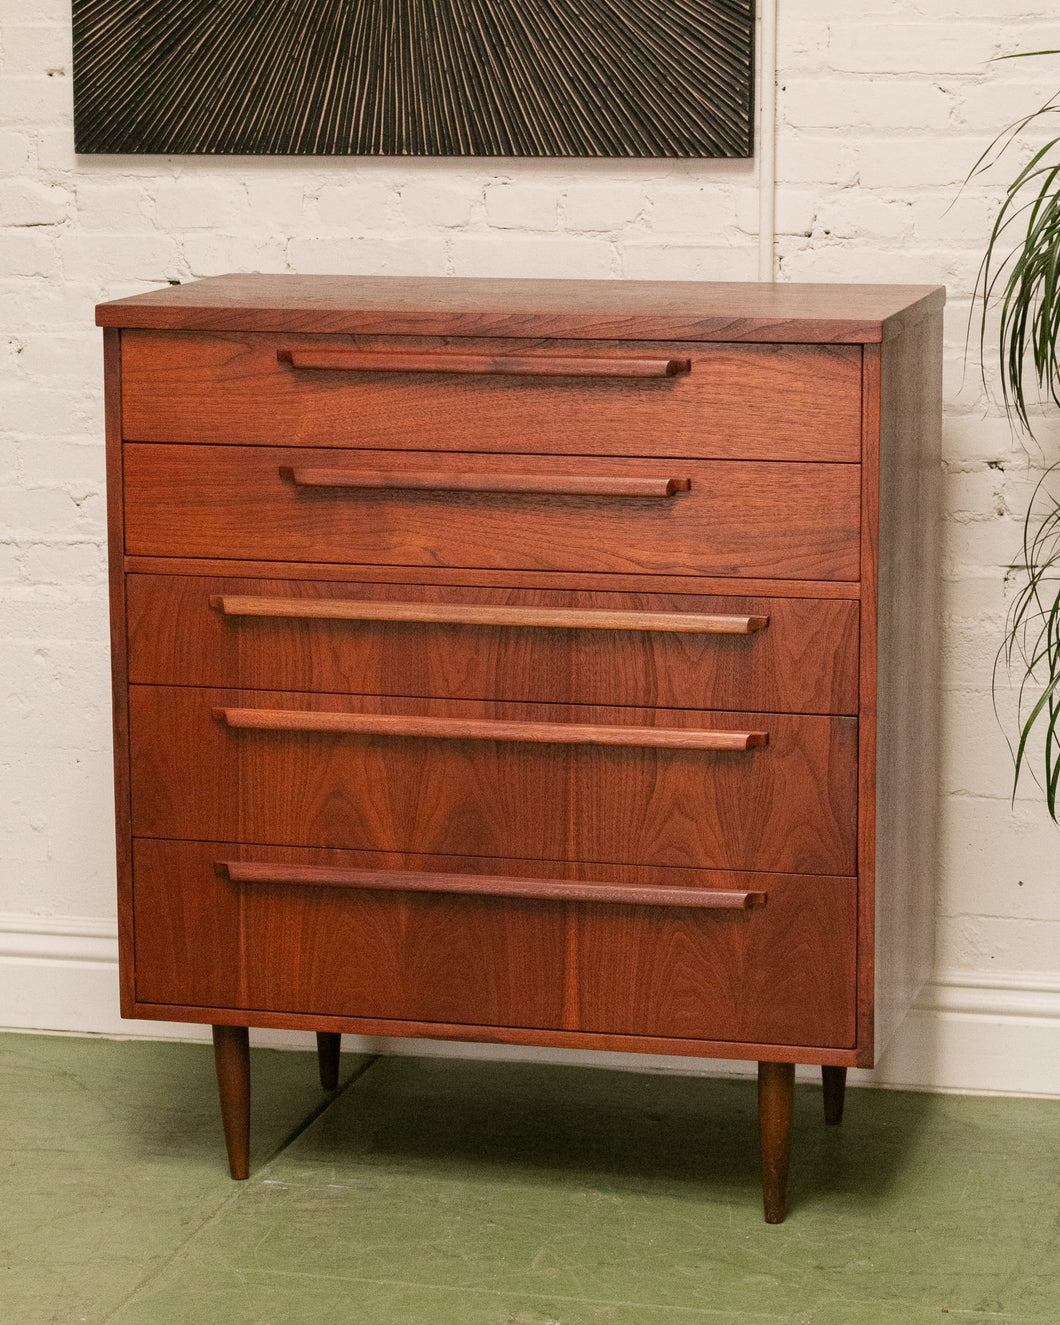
{"points": [[881, 113]]}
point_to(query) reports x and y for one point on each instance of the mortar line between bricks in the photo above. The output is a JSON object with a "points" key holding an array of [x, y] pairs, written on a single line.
{"points": [[236, 1192]]}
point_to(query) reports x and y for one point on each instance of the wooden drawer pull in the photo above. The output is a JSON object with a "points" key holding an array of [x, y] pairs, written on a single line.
{"points": [[472, 614], [512, 365], [487, 885], [484, 729], [555, 485]]}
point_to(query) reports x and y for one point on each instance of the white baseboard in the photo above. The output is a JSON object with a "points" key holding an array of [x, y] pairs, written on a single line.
{"points": [[995, 1033]]}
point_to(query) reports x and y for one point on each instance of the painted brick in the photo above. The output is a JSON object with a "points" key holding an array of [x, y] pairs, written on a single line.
{"points": [[56, 612], [896, 103], [990, 107], [809, 158], [194, 204], [522, 206], [76, 466], [647, 260], [35, 100], [839, 261], [23, 411], [55, 149], [995, 861], [10, 563], [963, 219], [276, 205], [150, 258], [55, 12], [980, 942], [9, 463], [35, 48], [854, 214], [112, 205], [698, 212], [210, 253], [903, 47], [73, 359], [55, 305], [359, 205], [603, 208], [14, 151], [794, 210], [527, 255], [28, 251], [64, 563], [435, 202], [366, 255], [27, 202], [36, 510], [919, 162]]}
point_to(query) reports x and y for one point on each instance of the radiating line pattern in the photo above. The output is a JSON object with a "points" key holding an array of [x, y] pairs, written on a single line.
{"points": [[526, 78]]}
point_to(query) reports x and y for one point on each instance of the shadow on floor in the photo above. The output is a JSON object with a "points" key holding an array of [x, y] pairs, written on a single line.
{"points": [[689, 1133]]}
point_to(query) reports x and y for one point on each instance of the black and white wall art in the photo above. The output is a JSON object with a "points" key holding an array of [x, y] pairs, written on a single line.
{"points": [[510, 78]]}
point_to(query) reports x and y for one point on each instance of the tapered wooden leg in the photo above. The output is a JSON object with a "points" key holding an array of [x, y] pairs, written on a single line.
{"points": [[776, 1095], [329, 1044], [834, 1080], [231, 1052]]}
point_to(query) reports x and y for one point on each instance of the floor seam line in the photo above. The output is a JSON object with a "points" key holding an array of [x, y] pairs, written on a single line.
{"points": [[237, 1191], [318, 1112]]}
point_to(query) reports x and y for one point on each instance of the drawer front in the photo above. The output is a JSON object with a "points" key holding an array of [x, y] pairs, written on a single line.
{"points": [[779, 972], [248, 765], [274, 634], [784, 521], [782, 402]]}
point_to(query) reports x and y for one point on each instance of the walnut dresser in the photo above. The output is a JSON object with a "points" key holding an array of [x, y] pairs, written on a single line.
{"points": [[538, 662]]}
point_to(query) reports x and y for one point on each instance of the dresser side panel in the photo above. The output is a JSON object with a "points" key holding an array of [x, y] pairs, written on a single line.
{"points": [[119, 660], [867, 684], [908, 683]]}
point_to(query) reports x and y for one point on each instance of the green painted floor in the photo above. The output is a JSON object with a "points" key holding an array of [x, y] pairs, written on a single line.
{"points": [[448, 1192]]}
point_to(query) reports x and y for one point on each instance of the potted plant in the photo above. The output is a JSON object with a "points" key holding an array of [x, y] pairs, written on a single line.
{"points": [[1020, 280]]}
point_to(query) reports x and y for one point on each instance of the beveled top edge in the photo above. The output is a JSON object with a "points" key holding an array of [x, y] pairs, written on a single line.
{"points": [[489, 306]]}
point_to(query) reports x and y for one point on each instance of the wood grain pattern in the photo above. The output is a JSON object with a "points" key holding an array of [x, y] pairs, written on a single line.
{"points": [[550, 1037], [483, 729], [231, 1048], [487, 885], [327, 952], [503, 889], [441, 480], [510, 365], [805, 661], [776, 1096], [679, 623], [631, 312], [740, 402], [789, 806], [229, 501], [692, 586]]}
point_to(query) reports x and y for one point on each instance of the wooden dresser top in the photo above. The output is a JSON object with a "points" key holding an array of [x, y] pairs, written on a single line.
{"points": [[594, 310]]}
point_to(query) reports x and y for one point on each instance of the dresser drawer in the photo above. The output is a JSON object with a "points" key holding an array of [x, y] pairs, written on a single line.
{"points": [[782, 402], [785, 521], [327, 933], [782, 654], [541, 781]]}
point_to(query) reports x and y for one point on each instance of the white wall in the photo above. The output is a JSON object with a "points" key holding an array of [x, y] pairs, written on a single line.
{"points": [[882, 110]]}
